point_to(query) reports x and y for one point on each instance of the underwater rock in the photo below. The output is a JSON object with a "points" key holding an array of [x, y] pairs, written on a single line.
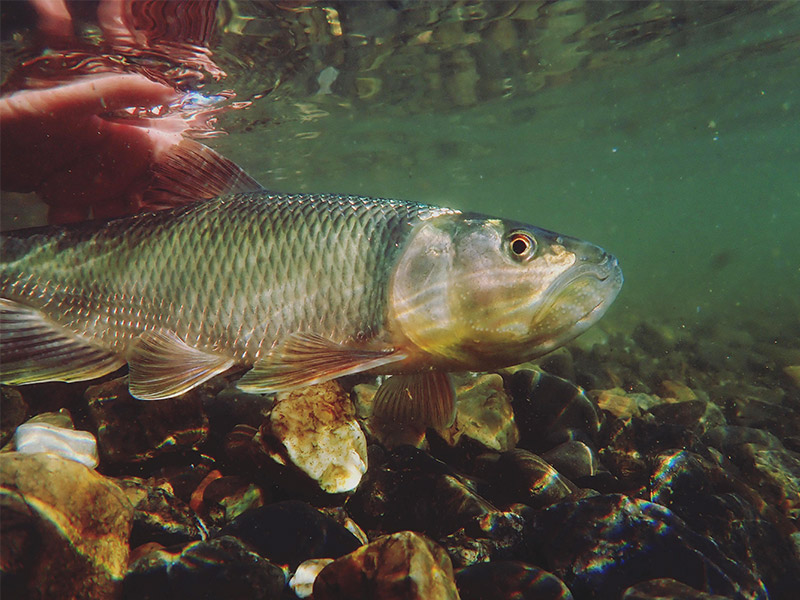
{"points": [[727, 437], [620, 451], [602, 545], [558, 363], [522, 476], [412, 490], [509, 580], [65, 529], [218, 568], [549, 410], [678, 391], [484, 414], [617, 402], [318, 433], [13, 410], [697, 415], [302, 582], [225, 498], [666, 589], [574, 460], [158, 515], [400, 566], [775, 473], [723, 508], [132, 430], [55, 433], [291, 532], [493, 536]]}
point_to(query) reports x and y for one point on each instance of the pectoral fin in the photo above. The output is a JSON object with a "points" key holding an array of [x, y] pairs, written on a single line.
{"points": [[164, 366], [306, 359], [34, 349], [421, 400]]}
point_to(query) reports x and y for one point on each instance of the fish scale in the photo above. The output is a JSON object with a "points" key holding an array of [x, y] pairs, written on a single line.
{"points": [[239, 272]]}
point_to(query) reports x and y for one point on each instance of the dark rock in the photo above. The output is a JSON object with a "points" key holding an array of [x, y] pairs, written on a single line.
{"points": [[218, 568], [633, 540], [494, 536], [400, 566], [226, 498], [131, 430], [159, 516], [13, 412], [687, 413], [666, 589], [522, 476], [291, 532], [65, 529], [727, 437], [550, 411], [509, 580], [413, 490], [574, 460], [558, 363]]}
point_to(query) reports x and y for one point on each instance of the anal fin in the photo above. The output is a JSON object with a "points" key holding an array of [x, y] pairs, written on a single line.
{"points": [[306, 359], [164, 366], [418, 400], [35, 349]]}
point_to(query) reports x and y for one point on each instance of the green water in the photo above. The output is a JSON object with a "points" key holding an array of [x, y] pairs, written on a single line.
{"points": [[681, 155]]}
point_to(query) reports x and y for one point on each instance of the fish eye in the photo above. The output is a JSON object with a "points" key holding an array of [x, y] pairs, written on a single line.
{"points": [[522, 245]]}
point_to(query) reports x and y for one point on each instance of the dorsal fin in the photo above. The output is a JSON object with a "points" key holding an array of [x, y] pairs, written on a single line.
{"points": [[306, 359], [190, 171]]}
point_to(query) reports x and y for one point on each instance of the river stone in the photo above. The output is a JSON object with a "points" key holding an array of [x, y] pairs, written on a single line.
{"points": [[220, 568], [302, 582], [666, 589], [291, 532], [13, 410], [410, 489], [133, 430], [65, 529], [159, 516], [602, 545], [522, 476], [483, 414], [509, 580], [401, 566], [318, 433], [55, 432], [550, 410]]}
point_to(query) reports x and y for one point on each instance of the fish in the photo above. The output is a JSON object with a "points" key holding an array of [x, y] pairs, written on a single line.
{"points": [[294, 290]]}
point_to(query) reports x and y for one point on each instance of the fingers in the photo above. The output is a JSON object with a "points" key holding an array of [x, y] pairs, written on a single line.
{"points": [[89, 96]]}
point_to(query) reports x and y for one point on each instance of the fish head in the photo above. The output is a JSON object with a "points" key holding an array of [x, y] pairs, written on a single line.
{"points": [[473, 293]]}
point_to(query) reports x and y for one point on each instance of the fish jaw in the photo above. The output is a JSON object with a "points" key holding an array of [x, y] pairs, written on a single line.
{"points": [[474, 293]]}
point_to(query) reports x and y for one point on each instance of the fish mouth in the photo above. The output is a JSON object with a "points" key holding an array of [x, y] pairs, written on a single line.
{"points": [[583, 294]]}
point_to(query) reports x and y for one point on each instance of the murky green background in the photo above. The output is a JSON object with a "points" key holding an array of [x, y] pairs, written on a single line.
{"points": [[667, 133]]}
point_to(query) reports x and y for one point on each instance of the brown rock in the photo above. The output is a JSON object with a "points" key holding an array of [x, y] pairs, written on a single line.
{"points": [[484, 414], [679, 391], [400, 566], [618, 403], [13, 410], [65, 529]]}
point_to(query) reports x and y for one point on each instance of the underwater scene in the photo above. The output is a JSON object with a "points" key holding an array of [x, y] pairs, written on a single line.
{"points": [[400, 300]]}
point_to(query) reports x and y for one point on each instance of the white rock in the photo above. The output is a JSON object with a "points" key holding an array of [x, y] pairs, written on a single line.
{"points": [[317, 428], [302, 582], [80, 446]]}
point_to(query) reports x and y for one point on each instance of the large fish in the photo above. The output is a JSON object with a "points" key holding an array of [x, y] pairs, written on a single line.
{"points": [[298, 289]]}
